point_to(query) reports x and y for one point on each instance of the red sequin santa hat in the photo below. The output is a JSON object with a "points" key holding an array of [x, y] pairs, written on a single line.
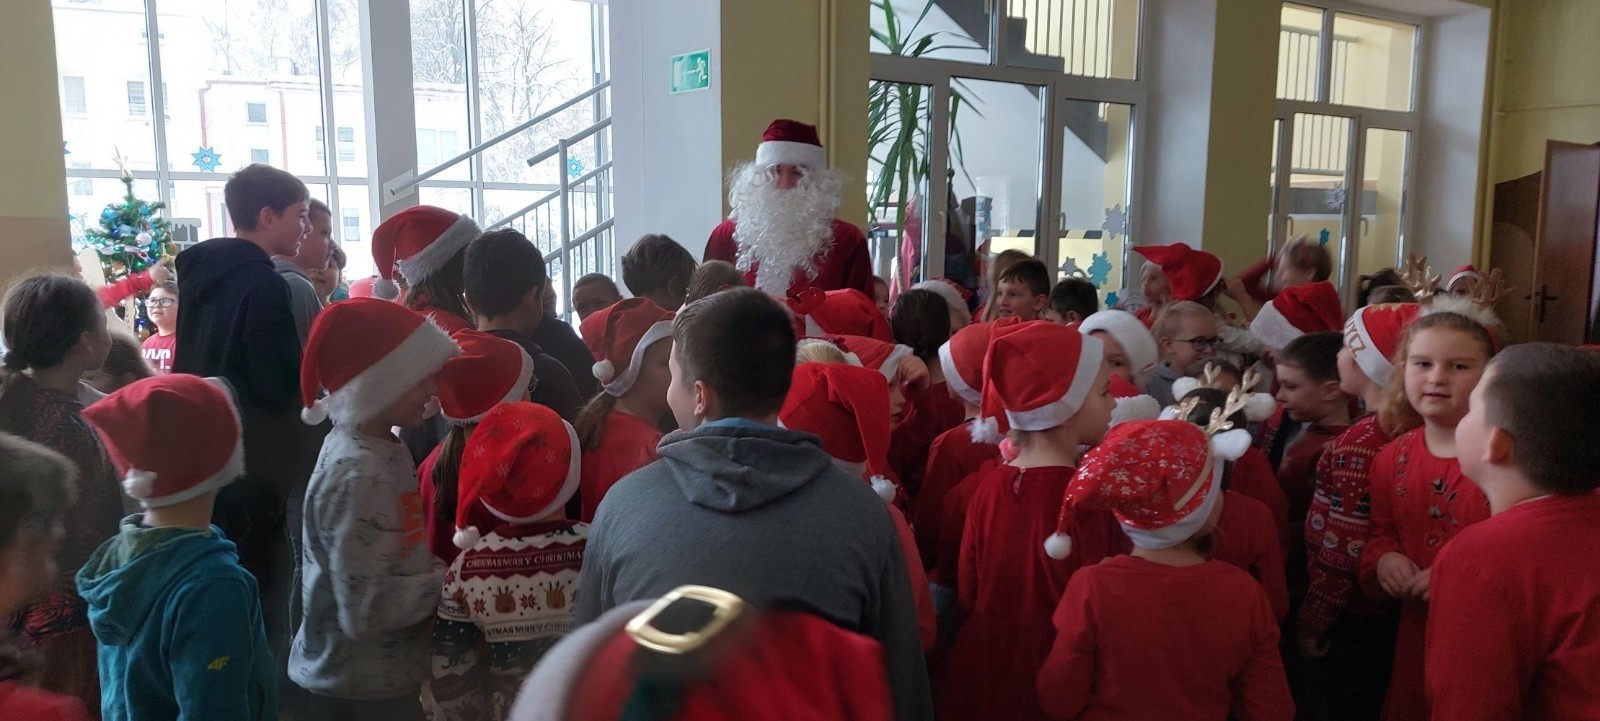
{"points": [[418, 241], [846, 311], [1131, 333], [954, 295], [872, 353], [962, 356], [367, 353], [1373, 336], [1465, 272], [138, 423], [1159, 478], [521, 463], [1037, 376], [1191, 274], [791, 142], [489, 371], [618, 337], [848, 408], [1296, 311]]}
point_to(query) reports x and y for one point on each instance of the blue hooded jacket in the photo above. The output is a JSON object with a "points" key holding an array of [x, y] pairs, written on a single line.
{"points": [[179, 628]]}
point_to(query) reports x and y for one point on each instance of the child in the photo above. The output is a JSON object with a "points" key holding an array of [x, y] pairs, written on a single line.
{"points": [[1186, 332], [1023, 291], [1130, 349], [738, 503], [617, 430], [163, 308], [370, 586], [1420, 498], [1250, 474], [847, 311], [124, 364], [1071, 301], [489, 371], [713, 276], [427, 245], [1296, 311], [505, 279], [1048, 383], [1002, 262], [1155, 290], [659, 269], [921, 321], [880, 295], [1311, 396], [1222, 375], [1508, 630], [955, 297], [177, 618], [1352, 635], [1161, 633], [513, 586], [55, 331], [1464, 281], [1301, 262], [593, 292], [1196, 275]]}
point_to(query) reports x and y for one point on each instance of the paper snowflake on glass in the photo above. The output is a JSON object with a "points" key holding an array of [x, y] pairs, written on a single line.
{"points": [[1100, 269], [1070, 268], [1112, 300], [207, 159], [1337, 195], [1116, 223], [574, 167]]}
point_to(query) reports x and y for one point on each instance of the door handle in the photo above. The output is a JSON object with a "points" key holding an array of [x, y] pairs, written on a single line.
{"points": [[1540, 298]]}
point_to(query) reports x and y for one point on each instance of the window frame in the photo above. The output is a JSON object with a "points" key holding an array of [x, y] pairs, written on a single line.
{"points": [[249, 112], [143, 104], [82, 106]]}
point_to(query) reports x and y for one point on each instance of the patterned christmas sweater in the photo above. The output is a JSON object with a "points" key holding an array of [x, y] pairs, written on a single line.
{"points": [[506, 601], [1337, 526]]}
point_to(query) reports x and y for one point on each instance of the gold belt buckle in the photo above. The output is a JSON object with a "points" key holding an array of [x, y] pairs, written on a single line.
{"points": [[726, 608]]}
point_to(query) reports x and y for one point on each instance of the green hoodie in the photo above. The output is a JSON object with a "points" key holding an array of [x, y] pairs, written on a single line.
{"points": [[179, 627]]}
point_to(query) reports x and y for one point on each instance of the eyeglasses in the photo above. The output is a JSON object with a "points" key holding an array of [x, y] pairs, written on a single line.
{"points": [[161, 302], [1200, 343]]}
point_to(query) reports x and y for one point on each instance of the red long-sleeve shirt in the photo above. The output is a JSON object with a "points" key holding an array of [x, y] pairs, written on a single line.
{"points": [[1252, 476], [951, 457], [1337, 527], [953, 523], [114, 293], [628, 445], [1247, 539], [929, 413], [1138, 640], [1511, 632], [1255, 279]]}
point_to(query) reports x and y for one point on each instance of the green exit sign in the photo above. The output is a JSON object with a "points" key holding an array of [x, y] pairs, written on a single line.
{"points": [[691, 71]]}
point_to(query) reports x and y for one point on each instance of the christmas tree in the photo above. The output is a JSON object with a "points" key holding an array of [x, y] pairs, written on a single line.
{"points": [[132, 235]]}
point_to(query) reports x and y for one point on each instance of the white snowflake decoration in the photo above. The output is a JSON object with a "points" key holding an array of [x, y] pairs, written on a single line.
{"points": [[1337, 195], [1116, 223]]}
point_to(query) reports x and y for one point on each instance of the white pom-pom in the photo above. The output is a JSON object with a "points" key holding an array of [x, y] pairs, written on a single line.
{"points": [[986, 430], [604, 371], [1137, 408], [1058, 545], [466, 538], [139, 484], [1170, 413], [1182, 386], [1259, 407], [1230, 445], [385, 289], [884, 488], [315, 413]]}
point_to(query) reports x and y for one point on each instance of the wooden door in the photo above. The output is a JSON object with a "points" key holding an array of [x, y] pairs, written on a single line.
{"points": [[1513, 250], [1568, 220]]}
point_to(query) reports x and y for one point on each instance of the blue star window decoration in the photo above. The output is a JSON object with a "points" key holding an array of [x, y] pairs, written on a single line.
{"points": [[207, 160], [1112, 300], [1100, 269], [574, 167], [64, 150]]}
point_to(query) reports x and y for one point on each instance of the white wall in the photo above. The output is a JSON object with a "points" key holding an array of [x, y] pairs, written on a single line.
{"points": [[668, 165], [1450, 97], [1178, 60]]}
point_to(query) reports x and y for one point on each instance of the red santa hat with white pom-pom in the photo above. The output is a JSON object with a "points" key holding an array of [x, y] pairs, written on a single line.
{"points": [[1038, 375], [848, 407], [137, 421], [618, 337], [1373, 336], [367, 353], [1465, 272], [489, 371], [1296, 311], [872, 353], [521, 463], [962, 356], [418, 241], [955, 296], [1159, 478], [791, 142], [845, 311]]}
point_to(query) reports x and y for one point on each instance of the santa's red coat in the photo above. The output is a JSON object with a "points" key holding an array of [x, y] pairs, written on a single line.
{"points": [[845, 264]]}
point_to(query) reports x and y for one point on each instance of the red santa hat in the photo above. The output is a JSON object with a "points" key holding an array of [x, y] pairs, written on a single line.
{"points": [[1373, 336], [791, 142], [138, 423], [1159, 478], [846, 311], [962, 356], [1296, 311], [1037, 376], [848, 407], [521, 463], [1132, 403], [1191, 274], [1131, 333], [872, 353], [418, 241], [1465, 272], [954, 295], [367, 353], [489, 371], [618, 336]]}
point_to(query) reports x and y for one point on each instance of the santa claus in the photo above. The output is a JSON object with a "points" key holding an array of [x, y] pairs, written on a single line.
{"points": [[782, 232]]}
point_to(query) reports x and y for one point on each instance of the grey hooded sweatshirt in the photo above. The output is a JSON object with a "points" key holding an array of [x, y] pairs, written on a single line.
{"points": [[764, 513]]}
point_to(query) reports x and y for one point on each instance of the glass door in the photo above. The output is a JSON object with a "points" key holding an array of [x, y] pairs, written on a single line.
{"points": [[1385, 182], [1096, 191]]}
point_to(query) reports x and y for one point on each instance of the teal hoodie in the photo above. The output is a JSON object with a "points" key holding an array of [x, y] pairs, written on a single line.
{"points": [[178, 623]]}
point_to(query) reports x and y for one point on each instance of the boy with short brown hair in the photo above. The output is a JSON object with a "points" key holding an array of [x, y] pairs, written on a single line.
{"points": [[1023, 290]]}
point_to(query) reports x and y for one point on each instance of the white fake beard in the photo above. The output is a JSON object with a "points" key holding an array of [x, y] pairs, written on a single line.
{"points": [[782, 230]]}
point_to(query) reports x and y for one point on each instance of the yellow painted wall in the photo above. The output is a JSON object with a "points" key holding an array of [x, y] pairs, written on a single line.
{"points": [[1545, 81], [1239, 155], [33, 186]]}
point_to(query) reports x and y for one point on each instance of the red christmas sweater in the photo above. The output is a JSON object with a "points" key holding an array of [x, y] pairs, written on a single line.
{"points": [[1247, 538], [951, 457], [1009, 588], [928, 414], [1511, 631], [629, 444], [1137, 640], [1419, 502], [1297, 473], [1337, 526], [844, 264]]}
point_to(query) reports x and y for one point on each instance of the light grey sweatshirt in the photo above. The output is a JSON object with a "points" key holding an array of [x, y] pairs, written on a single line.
{"points": [[303, 300]]}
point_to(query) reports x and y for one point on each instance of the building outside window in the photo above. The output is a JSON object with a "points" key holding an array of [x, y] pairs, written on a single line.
{"points": [[136, 101], [73, 99], [255, 113]]}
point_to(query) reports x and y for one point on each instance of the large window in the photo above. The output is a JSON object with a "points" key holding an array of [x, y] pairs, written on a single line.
{"points": [[73, 99]]}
